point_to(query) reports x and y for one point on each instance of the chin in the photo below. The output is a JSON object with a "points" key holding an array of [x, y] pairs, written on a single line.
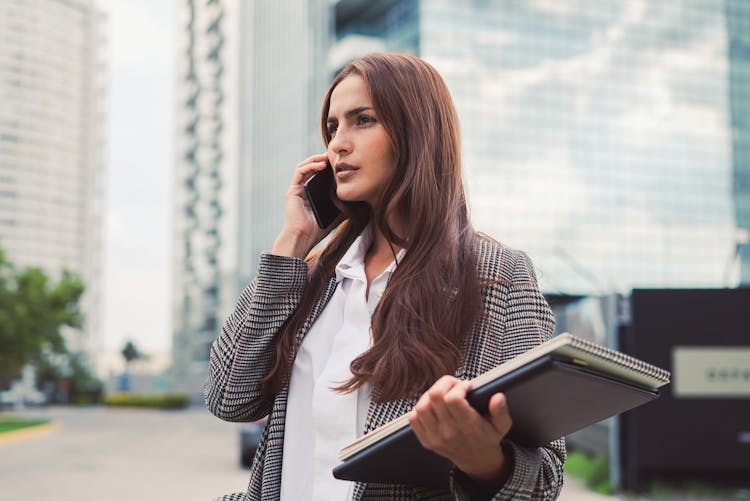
{"points": [[346, 196]]}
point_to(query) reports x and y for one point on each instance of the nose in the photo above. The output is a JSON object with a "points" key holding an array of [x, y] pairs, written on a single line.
{"points": [[340, 144]]}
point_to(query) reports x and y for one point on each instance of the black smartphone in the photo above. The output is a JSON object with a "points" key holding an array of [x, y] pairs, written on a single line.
{"points": [[319, 190]]}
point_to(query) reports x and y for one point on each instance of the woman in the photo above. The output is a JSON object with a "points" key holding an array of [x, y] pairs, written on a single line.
{"points": [[402, 305]]}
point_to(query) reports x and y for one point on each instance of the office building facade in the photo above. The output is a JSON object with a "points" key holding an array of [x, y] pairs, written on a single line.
{"points": [[737, 14], [52, 158], [248, 100], [596, 137], [203, 176]]}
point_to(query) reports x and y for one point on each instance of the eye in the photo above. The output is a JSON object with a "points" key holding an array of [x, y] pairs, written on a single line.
{"points": [[331, 130], [365, 119]]}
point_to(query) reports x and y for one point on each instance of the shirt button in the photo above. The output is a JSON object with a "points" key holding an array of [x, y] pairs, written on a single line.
{"points": [[380, 292]]}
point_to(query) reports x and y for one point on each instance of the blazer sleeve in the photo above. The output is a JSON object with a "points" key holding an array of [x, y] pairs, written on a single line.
{"points": [[243, 353], [522, 320]]}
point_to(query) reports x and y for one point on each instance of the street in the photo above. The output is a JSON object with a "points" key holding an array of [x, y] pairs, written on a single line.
{"points": [[126, 454]]}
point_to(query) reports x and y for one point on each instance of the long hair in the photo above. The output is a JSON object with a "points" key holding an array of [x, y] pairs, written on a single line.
{"points": [[433, 298]]}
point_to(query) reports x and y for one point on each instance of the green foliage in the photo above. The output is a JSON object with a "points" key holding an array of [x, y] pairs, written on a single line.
{"points": [[84, 387], [594, 472], [164, 401], [693, 489], [130, 352], [32, 311]]}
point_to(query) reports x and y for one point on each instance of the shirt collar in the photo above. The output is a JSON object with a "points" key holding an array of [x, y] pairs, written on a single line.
{"points": [[352, 264]]}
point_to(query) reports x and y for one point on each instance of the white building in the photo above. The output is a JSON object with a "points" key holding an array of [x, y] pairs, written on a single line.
{"points": [[52, 96]]}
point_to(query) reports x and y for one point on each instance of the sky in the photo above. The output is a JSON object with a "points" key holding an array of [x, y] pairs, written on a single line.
{"points": [[137, 247]]}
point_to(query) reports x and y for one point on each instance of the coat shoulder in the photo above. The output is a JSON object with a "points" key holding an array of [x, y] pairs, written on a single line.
{"points": [[497, 261]]}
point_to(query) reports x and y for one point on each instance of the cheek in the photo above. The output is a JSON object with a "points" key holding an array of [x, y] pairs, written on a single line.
{"points": [[386, 153]]}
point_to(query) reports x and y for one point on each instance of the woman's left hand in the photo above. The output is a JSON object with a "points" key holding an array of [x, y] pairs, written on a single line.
{"points": [[445, 423]]}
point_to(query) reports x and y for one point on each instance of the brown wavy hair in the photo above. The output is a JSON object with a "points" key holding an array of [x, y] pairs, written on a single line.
{"points": [[423, 320]]}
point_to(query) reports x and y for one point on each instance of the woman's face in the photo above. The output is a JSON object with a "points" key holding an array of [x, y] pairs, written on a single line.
{"points": [[359, 150]]}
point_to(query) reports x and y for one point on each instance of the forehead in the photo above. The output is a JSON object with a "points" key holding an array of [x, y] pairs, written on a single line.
{"points": [[350, 93]]}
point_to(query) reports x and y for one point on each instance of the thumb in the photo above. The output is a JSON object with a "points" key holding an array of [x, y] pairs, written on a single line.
{"points": [[499, 414]]}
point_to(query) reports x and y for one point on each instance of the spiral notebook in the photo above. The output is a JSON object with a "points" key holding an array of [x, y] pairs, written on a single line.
{"points": [[554, 389]]}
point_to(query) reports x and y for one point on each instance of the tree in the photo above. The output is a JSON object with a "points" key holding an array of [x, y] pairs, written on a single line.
{"points": [[32, 311], [73, 371], [130, 353]]}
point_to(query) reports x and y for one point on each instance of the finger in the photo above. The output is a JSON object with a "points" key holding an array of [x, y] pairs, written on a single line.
{"points": [[303, 171], [447, 406], [437, 391], [436, 394], [500, 414], [442, 386], [312, 164], [462, 415], [419, 429], [424, 413], [457, 407], [318, 157]]}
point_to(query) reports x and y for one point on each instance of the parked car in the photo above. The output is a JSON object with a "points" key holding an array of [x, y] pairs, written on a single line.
{"points": [[31, 397], [8, 400], [250, 434], [34, 398]]}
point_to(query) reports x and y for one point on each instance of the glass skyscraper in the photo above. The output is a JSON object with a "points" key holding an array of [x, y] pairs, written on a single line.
{"points": [[738, 34], [597, 136]]}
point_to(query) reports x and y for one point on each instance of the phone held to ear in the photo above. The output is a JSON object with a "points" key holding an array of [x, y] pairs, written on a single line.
{"points": [[319, 190]]}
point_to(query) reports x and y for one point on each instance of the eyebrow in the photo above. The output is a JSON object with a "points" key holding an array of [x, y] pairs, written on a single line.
{"points": [[350, 113]]}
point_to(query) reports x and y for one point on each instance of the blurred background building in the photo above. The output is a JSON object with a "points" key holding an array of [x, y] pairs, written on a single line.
{"points": [[607, 139], [249, 85], [52, 126], [737, 14]]}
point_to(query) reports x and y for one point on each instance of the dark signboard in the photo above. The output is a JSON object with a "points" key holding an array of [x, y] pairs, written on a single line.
{"points": [[700, 427]]}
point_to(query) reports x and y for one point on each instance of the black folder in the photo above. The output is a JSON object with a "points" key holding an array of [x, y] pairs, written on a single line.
{"points": [[548, 397]]}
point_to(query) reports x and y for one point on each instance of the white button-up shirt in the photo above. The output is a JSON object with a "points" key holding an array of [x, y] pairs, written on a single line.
{"points": [[319, 421]]}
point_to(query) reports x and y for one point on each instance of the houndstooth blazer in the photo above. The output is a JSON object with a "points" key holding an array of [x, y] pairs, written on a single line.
{"points": [[516, 318]]}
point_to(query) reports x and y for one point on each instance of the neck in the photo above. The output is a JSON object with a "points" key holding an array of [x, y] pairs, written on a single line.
{"points": [[381, 246], [381, 253]]}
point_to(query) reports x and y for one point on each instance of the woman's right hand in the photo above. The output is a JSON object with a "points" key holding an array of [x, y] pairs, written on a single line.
{"points": [[300, 232]]}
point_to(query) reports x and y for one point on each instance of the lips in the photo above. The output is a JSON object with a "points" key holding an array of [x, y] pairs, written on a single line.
{"points": [[342, 167]]}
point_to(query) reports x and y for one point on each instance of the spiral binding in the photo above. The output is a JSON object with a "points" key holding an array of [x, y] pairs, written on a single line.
{"points": [[619, 358]]}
